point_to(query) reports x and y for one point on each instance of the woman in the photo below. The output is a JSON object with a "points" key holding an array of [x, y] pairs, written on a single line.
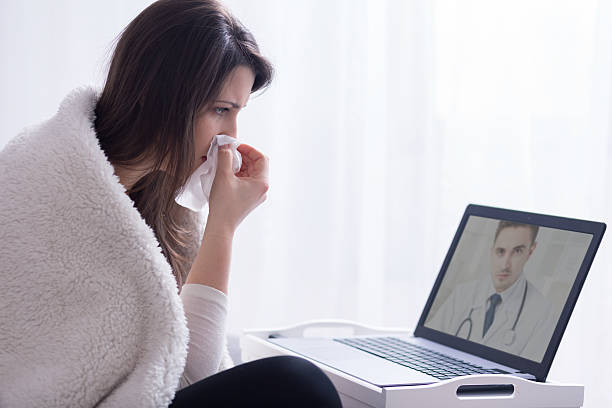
{"points": [[96, 249]]}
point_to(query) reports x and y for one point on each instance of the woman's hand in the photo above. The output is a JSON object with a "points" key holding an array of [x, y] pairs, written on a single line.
{"points": [[234, 196]]}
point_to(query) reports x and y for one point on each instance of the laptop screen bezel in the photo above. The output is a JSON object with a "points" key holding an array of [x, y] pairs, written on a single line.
{"points": [[539, 370]]}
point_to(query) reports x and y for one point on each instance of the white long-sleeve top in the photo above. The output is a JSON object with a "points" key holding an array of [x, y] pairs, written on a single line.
{"points": [[206, 311]]}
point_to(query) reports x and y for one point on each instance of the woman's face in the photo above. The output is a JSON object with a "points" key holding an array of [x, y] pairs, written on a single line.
{"points": [[220, 117]]}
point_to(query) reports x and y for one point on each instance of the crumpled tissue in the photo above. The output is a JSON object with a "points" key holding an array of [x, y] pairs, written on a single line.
{"points": [[196, 192]]}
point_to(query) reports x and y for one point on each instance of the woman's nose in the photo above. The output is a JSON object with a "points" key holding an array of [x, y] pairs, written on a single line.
{"points": [[231, 129]]}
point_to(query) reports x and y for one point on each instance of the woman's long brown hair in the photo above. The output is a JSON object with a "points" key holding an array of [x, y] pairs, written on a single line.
{"points": [[170, 63]]}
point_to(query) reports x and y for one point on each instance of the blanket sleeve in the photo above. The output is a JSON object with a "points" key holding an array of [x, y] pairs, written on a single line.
{"points": [[89, 309]]}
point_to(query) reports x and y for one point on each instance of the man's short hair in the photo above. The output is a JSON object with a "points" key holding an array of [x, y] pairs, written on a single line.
{"points": [[507, 224]]}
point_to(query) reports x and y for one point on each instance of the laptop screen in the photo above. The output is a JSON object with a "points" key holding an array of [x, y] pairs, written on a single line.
{"points": [[507, 283]]}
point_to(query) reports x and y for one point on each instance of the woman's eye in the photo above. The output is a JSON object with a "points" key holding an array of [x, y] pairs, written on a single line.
{"points": [[221, 111]]}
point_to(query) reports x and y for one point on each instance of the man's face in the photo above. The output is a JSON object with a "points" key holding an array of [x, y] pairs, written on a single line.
{"points": [[510, 252]]}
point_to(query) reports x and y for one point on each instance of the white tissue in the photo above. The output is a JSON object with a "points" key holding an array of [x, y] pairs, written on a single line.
{"points": [[196, 192]]}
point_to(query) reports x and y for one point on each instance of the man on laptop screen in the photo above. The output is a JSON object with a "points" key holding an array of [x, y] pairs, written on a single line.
{"points": [[502, 308]]}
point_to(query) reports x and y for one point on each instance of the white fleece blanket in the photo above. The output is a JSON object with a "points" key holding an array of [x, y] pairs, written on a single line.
{"points": [[89, 310]]}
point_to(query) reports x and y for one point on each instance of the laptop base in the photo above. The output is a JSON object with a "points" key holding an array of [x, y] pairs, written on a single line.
{"points": [[482, 390]]}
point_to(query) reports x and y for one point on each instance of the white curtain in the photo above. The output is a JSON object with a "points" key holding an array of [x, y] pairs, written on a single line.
{"points": [[386, 118]]}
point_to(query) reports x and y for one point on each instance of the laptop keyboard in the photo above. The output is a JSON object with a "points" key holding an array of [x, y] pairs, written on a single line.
{"points": [[438, 365]]}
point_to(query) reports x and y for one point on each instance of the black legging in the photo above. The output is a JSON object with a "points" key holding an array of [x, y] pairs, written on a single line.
{"points": [[281, 381]]}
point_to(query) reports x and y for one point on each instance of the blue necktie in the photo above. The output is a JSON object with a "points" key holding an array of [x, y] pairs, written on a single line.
{"points": [[490, 316]]}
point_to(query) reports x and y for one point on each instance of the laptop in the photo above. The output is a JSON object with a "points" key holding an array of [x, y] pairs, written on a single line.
{"points": [[499, 305]]}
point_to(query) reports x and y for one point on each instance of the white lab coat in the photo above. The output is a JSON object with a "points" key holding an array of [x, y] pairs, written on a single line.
{"points": [[533, 330]]}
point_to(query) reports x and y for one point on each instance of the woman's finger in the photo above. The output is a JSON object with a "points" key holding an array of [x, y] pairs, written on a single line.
{"points": [[254, 163], [258, 169], [250, 152]]}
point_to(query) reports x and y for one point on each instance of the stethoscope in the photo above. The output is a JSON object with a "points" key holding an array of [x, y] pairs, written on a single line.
{"points": [[510, 335]]}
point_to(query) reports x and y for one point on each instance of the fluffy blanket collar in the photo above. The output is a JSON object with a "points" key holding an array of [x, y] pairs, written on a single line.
{"points": [[89, 309]]}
